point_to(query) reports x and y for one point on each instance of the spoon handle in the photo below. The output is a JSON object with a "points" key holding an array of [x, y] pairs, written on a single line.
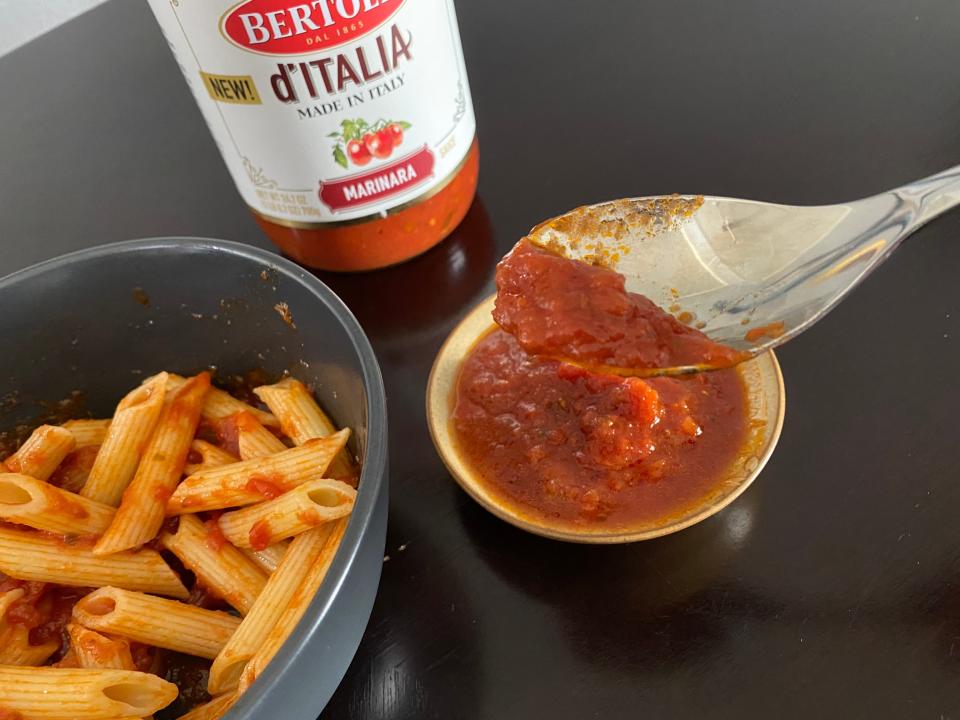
{"points": [[932, 195]]}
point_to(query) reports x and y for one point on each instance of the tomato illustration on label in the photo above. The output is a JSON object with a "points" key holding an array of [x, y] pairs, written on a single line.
{"points": [[358, 141]]}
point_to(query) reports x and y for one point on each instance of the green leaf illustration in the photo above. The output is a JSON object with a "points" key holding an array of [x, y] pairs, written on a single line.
{"points": [[339, 156], [350, 130]]}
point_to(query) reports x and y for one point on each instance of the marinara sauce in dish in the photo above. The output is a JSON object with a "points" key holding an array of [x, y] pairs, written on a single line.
{"points": [[570, 446]]}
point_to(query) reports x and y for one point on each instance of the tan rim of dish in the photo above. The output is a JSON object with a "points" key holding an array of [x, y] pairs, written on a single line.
{"points": [[765, 401]]}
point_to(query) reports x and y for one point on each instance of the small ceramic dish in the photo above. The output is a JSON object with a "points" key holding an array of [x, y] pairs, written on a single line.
{"points": [[765, 403]]}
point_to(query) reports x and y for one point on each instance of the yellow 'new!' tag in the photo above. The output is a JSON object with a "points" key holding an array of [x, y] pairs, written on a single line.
{"points": [[238, 89]]}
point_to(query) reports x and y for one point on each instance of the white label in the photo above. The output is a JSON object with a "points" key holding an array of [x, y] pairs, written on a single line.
{"points": [[327, 110]]}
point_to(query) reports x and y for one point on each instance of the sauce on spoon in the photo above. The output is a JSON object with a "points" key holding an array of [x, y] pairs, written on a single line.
{"points": [[583, 314]]}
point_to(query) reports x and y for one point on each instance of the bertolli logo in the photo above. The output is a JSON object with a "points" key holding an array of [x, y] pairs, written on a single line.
{"points": [[282, 27]]}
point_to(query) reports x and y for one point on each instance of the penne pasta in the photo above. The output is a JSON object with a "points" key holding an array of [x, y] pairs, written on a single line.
{"points": [[93, 650], [297, 605], [42, 452], [141, 511], [281, 589], [210, 456], [250, 481], [220, 404], [296, 511], [28, 555], [212, 710], [302, 419], [48, 693], [15, 647], [40, 505], [87, 432], [18, 651], [247, 677], [218, 565], [83, 531], [156, 621], [269, 557], [130, 430], [253, 439]]}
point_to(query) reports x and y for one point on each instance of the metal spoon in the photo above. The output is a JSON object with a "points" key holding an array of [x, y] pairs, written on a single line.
{"points": [[751, 275]]}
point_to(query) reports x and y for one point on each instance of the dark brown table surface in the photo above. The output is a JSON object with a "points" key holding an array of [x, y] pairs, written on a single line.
{"points": [[832, 587]]}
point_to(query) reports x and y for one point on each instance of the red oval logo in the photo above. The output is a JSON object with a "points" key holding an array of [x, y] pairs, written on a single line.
{"points": [[286, 27]]}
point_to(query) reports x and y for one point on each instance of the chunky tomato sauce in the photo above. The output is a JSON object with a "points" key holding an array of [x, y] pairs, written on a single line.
{"points": [[44, 610], [269, 486], [215, 538], [75, 469], [565, 309], [567, 445], [228, 434], [260, 534]]}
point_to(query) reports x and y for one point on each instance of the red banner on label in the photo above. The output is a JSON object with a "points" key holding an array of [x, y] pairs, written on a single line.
{"points": [[375, 185]]}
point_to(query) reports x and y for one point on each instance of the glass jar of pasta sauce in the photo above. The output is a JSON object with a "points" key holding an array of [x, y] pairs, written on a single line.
{"points": [[347, 125]]}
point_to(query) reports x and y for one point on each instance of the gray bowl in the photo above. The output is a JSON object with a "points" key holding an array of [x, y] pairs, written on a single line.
{"points": [[101, 320]]}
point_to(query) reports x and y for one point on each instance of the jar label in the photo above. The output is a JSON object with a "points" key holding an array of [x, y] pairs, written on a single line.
{"points": [[327, 110]]}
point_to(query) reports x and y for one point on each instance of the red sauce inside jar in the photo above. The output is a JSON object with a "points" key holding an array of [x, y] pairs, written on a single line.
{"points": [[569, 446], [565, 309], [382, 241]]}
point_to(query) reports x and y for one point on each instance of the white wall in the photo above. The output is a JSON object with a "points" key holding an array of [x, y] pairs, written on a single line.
{"points": [[23, 20]]}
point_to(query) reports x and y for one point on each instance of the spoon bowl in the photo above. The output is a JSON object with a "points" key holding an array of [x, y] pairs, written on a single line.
{"points": [[750, 275]]}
